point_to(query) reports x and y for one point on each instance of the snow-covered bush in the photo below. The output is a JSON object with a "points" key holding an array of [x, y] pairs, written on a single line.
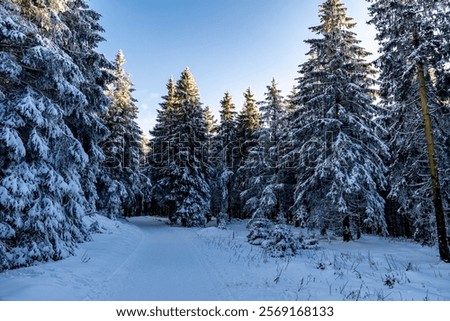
{"points": [[278, 239], [281, 242], [259, 230], [308, 241]]}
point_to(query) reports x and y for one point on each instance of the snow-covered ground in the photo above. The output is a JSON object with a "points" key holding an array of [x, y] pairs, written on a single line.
{"points": [[149, 260]]}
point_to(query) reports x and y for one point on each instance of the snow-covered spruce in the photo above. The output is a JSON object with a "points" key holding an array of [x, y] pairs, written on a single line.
{"points": [[261, 188], [121, 185], [281, 242], [43, 159], [80, 43], [259, 230], [334, 134], [224, 163], [247, 124], [158, 156], [181, 181]]}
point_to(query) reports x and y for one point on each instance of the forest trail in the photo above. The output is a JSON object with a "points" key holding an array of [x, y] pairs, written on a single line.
{"points": [[167, 264]]}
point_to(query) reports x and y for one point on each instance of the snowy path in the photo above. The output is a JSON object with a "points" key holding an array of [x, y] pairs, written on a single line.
{"points": [[164, 267]]}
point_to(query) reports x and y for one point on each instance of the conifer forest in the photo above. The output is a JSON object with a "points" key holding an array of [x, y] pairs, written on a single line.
{"points": [[357, 148]]}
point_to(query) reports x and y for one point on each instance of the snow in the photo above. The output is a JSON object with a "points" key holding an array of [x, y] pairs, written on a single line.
{"points": [[146, 259]]}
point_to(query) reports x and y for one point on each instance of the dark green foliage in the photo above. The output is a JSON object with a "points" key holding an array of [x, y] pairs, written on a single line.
{"points": [[122, 186], [181, 142], [340, 157], [45, 160]]}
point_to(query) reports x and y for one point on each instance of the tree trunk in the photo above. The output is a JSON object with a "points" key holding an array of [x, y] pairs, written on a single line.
{"points": [[346, 234], [437, 196]]}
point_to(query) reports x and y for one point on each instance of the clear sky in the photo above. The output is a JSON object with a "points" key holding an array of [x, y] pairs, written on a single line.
{"points": [[227, 44]]}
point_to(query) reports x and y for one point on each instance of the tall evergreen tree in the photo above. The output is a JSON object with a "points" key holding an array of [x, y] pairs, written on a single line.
{"points": [[227, 132], [266, 193], [210, 154], [80, 43], [74, 27], [159, 155], [42, 201], [248, 123], [184, 178], [261, 189], [414, 37], [273, 110], [224, 160], [287, 162], [122, 184], [340, 168]]}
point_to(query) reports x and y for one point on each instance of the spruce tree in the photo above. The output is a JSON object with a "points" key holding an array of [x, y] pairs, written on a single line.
{"points": [[223, 161], [121, 184], [261, 189], [159, 156], [266, 195], [74, 27], [273, 110], [184, 178], [42, 201], [227, 132], [247, 124], [80, 43], [414, 40], [210, 154], [340, 157]]}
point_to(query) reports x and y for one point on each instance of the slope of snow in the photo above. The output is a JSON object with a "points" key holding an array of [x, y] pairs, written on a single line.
{"points": [[148, 260]]}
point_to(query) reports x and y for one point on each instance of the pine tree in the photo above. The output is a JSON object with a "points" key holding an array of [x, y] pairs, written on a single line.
{"points": [[223, 161], [227, 132], [261, 188], [265, 194], [75, 28], [184, 179], [273, 110], [247, 124], [80, 43], [122, 184], [286, 170], [340, 156], [159, 156], [42, 202], [210, 154], [414, 55]]}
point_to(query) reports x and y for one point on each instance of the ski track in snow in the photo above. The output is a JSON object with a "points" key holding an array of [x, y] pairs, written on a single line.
{"points": [[163, 267], [148, 260]]}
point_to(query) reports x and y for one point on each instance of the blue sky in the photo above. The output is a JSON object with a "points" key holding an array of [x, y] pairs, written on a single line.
{"points": [[227, 44]]}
